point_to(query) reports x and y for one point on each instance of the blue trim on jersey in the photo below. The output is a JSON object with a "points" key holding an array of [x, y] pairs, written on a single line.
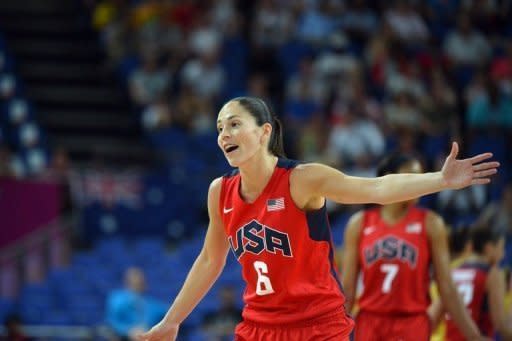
{"points": [[320, 230], [287, 163], [318, 224], [231, 174], [476, 265], [281, 163]]}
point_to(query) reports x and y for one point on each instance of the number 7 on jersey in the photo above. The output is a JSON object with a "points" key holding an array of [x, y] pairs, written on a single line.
{"points": [[390, 270]]}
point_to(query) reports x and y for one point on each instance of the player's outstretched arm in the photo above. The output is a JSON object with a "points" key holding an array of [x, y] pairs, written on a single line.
{"points": [[316, 180], [496, 290], [449, 295], [202, 275], [350, 264]]}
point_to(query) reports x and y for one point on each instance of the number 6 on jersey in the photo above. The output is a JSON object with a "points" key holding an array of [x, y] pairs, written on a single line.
{"points": [[263, 285]]}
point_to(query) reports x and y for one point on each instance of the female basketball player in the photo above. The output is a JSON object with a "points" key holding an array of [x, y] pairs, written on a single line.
{"points": [[393, 247], [461, 247], [481, 283], [271, 213]]}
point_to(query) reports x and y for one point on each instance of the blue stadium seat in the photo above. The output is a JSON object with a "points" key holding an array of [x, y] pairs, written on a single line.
{"points": [[7, 307], [234, 58], [433, 146], [111, 246], [486, 142], [127, 66], [87, 317], [56, 317], [290, 55], [30, 314], [88, 301], [199, 335]]}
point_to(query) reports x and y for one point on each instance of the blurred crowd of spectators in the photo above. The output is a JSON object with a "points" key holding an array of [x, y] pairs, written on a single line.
{"points": [[350, 79], [24, 150], [22, 141]]}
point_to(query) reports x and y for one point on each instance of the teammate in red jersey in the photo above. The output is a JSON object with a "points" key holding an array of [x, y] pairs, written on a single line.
{"points": [[481, 284], [393, 247], [271, 213]]}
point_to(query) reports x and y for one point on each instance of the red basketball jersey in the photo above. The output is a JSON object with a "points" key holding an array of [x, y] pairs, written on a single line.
{"points": [[395, 263], [470, 279], [286, 254]]}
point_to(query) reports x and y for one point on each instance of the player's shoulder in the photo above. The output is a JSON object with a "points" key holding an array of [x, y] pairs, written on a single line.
{"points": [[308, 174], [434, 223], [494, 273], [304, 166], [355, 223], [215, 188], [216, 183]]}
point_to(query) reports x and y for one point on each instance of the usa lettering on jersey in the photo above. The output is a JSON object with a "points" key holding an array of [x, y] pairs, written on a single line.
{"points": [[389, 248], [255, 238]]}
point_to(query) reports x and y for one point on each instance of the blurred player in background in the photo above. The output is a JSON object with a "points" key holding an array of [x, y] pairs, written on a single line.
{"points": [[393, 246], [481, 284], [271, 212], [461, 247]]}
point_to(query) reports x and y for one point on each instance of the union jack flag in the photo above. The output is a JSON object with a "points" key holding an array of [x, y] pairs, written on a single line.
{"points": [[109, 188], [275, 204]]}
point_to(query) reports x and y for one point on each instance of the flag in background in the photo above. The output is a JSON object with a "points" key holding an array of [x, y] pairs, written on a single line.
{"points": [[108, 187]]}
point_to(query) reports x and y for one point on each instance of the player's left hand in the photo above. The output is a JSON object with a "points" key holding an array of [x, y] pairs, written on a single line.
{"points": [[458, 174]]}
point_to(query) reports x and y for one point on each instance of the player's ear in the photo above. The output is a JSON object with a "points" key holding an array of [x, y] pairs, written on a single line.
{"points": [[267, 132]]}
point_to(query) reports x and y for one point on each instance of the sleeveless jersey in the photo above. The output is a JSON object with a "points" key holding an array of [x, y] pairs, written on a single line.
{"points": [[287, 255], [470, 279], [395, 263]]}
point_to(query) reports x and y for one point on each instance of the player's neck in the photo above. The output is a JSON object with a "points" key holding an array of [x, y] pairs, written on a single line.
{"points": [[255, 176], [394, 212]]}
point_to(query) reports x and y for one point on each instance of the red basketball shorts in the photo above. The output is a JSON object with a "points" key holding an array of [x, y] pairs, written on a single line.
{"points": [[377, 327], [330, 328]]}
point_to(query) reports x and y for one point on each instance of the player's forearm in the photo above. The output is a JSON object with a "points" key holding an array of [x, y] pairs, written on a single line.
{"points": [[435, 313], [393, 188], [459, 314], [199, 280], [350, 295], [349, 302]]}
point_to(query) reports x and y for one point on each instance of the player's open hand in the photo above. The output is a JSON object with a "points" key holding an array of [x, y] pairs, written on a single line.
{"points": [[160, 332], [462, 173]]}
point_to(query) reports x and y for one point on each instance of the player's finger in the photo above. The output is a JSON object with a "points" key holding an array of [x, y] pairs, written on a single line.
{"points": [[486, 165], [485, 173], [480, 157], [454, 151], [480, 181]]}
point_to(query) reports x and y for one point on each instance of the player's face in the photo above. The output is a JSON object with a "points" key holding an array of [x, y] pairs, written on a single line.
{"points": [[411, 167], [240, 138]]}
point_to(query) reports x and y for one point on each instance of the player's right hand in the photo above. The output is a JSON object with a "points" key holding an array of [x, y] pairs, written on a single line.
{"points": [[161, 332]]}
